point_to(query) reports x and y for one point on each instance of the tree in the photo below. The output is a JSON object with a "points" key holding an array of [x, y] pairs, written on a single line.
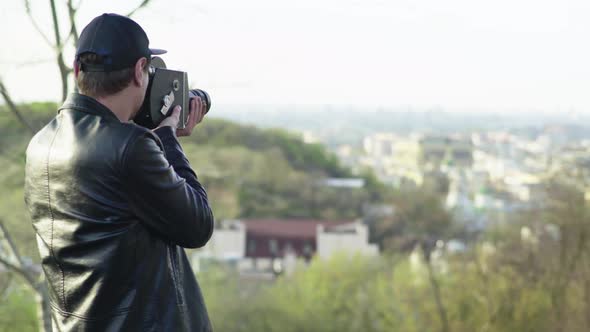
{"points": [[419, 222], [533, 275], [554, 251]]}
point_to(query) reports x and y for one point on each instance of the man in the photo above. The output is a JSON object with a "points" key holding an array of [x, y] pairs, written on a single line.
{"points": [[112, 203]]}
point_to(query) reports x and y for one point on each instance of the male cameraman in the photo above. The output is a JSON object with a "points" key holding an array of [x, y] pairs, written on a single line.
{"points": [[112, 203]]}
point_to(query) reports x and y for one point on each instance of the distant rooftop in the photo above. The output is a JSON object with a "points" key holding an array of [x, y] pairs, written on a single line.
{"points": [[344, 182], [290, 228]]}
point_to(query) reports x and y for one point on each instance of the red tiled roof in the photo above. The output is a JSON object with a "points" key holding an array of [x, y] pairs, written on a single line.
{"points": [[290, 228]]}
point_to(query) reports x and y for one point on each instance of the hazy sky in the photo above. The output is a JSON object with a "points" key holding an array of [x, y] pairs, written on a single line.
{"points": [[454, 54]]}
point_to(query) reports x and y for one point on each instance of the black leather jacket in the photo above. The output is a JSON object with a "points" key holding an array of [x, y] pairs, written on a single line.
{"points": [[113, 204]]}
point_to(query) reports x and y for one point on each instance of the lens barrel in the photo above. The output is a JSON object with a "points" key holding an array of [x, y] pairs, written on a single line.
{"points": [[204, 97]]}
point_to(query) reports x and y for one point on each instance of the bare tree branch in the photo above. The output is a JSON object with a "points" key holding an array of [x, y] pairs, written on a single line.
{"points": [[35, 25], [73, 30], [63, 69], [72, 15], [20, 266], [5, 284], [10, 242], [12, 106], [24, 273], [141, 5]]}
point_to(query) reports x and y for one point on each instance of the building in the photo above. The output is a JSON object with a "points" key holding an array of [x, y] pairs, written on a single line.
{"points": [[264, 244], [406, 160], [349, 237], [439, 150]]}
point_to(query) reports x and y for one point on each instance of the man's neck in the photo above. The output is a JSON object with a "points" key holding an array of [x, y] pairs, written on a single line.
{"points": [[119, 104]]}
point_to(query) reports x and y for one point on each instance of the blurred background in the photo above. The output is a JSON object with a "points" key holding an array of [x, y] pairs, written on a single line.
{"points": [[407, 165]]}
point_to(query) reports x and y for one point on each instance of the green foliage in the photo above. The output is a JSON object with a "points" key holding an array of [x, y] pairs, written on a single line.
{"points": [[504, 282], [18, 311], [420, 219], [13, 142], [302, 156], [384, 294], [13, 134], [329, 296]]}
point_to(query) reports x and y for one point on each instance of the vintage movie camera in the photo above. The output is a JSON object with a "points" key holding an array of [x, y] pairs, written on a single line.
{"points": [[166, 89]]}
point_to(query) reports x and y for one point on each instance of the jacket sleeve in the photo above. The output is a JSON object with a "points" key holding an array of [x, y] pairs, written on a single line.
{"points": [[164, 191]]}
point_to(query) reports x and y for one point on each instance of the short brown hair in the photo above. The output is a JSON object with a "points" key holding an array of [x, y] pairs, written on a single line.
{"points": [[100, 84]]}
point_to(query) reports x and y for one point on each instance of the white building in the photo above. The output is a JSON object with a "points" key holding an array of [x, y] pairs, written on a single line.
{"points": [[350, 238]]}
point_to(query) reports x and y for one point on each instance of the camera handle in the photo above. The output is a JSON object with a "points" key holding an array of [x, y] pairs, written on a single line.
{"points": [[168, 100]]}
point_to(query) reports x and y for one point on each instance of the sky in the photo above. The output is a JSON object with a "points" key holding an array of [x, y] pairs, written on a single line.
{"points": [[476, 55]]}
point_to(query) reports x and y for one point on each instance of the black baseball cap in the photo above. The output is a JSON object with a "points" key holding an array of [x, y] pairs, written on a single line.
{"points": [[118, 39]]}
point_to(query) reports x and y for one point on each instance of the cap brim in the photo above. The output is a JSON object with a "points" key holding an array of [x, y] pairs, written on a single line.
{"points": [[157, 51]]}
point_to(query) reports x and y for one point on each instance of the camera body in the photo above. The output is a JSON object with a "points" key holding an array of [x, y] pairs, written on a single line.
{"points": [[166, 89]]}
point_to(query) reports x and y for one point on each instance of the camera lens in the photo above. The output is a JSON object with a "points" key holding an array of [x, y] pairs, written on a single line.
{"points": [[204, 97]]}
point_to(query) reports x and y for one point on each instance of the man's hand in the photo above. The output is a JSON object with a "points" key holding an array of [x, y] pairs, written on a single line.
{"points": [[198, 108]]}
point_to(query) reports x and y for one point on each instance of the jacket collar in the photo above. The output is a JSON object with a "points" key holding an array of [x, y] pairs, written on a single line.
{"points": [[87, 104]]}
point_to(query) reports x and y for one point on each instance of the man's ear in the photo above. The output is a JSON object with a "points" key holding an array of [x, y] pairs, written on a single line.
{"points": [[139, 71], [76, 67]]}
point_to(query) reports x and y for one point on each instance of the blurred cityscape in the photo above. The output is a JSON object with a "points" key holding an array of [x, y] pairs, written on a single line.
{"points": [[486, 177], [486, 174]]}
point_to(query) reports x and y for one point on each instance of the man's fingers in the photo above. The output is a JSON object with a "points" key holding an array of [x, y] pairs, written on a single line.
{"points": [[193, 104], [196, 114], [199, 111], [204, 107], [176, 112], [202, 110], [197, 108], [193, 118], [194, 109]]}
